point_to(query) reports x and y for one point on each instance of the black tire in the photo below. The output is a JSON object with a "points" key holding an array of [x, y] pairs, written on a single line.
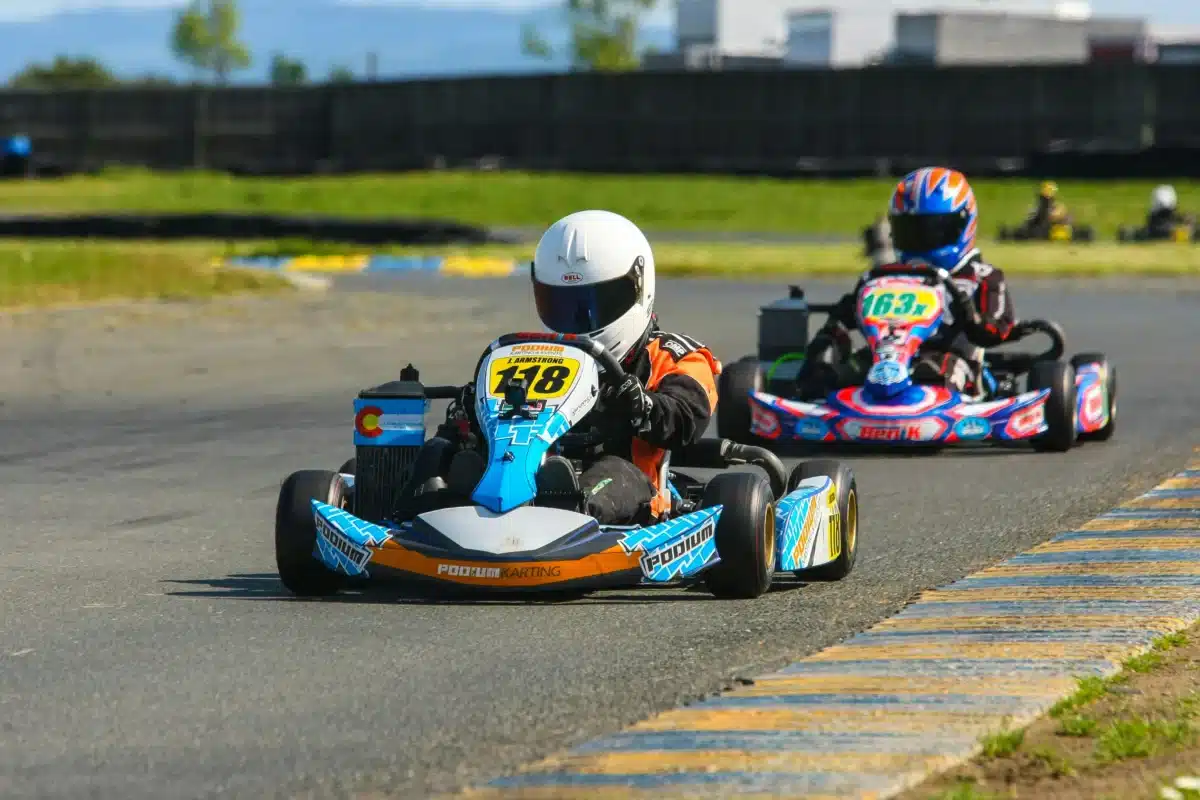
{"points": [[847, 500], [1105, 433], [1059, 378], [1004, 234], [1084, 233], [296, 532], [745, 535], [733, 405], [349, 467]]}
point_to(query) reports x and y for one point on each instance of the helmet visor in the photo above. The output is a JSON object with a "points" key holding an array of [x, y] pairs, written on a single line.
{"points": [[584, 309], [924, 233]]}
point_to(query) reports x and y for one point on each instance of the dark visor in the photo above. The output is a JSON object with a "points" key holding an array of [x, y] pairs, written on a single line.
{"points": [[583, 309], [923, 233]]}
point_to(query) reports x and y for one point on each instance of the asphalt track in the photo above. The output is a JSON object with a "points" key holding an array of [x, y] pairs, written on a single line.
{"points": [[146, 648]]}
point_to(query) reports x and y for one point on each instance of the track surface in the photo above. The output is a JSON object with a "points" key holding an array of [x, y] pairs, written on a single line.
{"points": [[146, 649]]}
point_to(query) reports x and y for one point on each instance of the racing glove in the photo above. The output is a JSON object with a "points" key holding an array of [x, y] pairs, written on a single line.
{"points": [[632, 398]]}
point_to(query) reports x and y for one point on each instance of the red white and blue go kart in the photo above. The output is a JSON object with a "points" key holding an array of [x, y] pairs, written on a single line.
{"points": [[445, 510], [899, 308]]}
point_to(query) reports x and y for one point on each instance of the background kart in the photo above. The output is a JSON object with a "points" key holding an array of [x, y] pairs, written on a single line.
{"points": [[1056, 232], [389, 512], [900, 307], [1183, 233]]}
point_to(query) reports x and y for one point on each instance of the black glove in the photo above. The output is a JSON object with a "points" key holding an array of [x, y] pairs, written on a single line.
{"points": [[633, 399]]}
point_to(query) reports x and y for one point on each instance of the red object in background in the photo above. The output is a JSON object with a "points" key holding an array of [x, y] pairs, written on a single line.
{"points": [[1113, 52]]}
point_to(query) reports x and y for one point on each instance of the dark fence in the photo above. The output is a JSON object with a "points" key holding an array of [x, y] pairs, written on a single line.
{"points": [[768, 121]]}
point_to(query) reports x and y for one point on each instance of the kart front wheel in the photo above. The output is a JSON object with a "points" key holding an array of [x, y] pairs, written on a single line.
{"points": [[1059, 378], [745, 534], [844, 527], [734, 386], [296, 532], [1110, 394]]}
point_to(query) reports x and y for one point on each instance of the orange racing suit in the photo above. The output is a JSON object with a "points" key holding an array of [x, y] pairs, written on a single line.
{"points": [[680, 376]]}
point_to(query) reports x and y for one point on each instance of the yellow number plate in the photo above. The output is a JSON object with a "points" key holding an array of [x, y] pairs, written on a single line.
{"points": [[907, 303], [547, 377]]}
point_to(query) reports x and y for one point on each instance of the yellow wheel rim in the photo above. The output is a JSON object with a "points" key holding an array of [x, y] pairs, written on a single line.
{"points": [[851, 521], [769, 537]]}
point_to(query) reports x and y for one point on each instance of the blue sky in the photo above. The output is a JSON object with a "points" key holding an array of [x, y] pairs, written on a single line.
{"points": [[1175, 12]]}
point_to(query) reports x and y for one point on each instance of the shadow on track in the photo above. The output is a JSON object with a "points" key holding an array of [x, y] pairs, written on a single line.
{"points": [[267, 586]]}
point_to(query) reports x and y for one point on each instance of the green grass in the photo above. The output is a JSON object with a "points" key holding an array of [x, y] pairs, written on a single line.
{"points": [[515, 198], [1152, 658], [762, 260], [55, 273], [1055, 762], [1077, 725], [965, 791], [1089, 690], [40, 272], [1140, 738], [1001, 745]]}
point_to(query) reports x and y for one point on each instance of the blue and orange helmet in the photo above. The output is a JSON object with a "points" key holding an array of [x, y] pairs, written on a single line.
{"points": [[934, 217]]}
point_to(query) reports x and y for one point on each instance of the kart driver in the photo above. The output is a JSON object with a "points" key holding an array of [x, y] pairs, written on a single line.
{"points": [[1047, 210], [593, 274], [934, 218], [1164, 213]]}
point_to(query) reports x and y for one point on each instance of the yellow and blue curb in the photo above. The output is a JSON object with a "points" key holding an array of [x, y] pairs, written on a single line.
{"points": [[454, 265], [913, 695]]}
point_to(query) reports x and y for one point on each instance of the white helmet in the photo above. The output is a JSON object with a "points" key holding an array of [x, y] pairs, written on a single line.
{"points": [[1163, 198], [593, 274]]}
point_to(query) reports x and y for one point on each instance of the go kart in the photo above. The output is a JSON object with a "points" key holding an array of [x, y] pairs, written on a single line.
{"points": [[1055, 232], [899, 308], [445, 510], [1181, 233]]}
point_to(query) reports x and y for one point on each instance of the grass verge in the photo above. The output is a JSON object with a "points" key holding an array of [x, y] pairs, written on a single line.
{"points": [[721, 259], [58, 273], [1129, 736], [42, 272], [514, 198]]}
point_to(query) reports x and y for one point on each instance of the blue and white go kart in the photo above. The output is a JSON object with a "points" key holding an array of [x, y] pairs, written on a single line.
{"points": [[463, 508]]}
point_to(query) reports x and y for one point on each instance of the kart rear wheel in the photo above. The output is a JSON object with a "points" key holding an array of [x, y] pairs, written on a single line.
{"points": [[296, 532], [734, 386], [1059, 378], [745, 535], [847, 503], [1110, 391]]}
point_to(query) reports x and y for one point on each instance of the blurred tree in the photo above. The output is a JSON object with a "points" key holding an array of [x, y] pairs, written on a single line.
{"points": [[603, 34], [341, 74], [287, 71], [205, 36], [151, 79], [64, 73]]}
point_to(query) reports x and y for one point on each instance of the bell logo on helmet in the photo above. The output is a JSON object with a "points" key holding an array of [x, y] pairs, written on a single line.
{"points": [[572, 277]]}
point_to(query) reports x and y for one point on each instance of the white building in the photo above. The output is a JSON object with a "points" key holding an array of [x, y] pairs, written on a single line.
{"points": [[849, 33]]}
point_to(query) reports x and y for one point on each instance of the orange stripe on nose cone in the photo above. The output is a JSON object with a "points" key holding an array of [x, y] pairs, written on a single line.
{"points": [[506, 574]]}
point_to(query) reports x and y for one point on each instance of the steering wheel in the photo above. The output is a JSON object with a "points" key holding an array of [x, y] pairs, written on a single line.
{"points": [[1023, 362]]}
